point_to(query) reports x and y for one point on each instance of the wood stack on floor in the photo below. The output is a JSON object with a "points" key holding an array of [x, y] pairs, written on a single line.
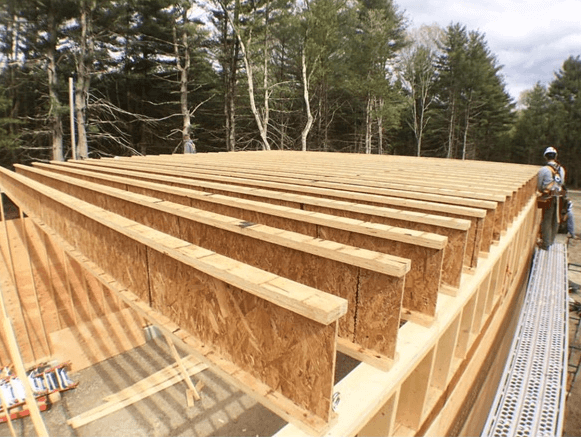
{"points": [[268, 263]]}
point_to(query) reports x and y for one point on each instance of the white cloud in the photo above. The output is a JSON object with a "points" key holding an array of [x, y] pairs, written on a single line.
{"points": [[531, 38]]}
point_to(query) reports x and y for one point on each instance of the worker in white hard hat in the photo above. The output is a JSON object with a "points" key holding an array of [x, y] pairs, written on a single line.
{"points": [[551, 178]]}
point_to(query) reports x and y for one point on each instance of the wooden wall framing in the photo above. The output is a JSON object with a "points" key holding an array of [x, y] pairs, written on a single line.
{"points": [[424, 393]]}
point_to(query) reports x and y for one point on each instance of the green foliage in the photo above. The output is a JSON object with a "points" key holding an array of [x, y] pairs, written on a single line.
{"points": [[532, 130], [10, 139], [475, 110], [360, 93], [565, 93]]}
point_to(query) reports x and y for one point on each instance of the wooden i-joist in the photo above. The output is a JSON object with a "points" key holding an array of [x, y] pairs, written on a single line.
{"points": [[264, 264], [480, 231], [289, 214]]}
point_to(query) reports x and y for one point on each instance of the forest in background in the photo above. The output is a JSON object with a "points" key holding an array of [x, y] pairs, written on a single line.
{"points": [[325, 75]]}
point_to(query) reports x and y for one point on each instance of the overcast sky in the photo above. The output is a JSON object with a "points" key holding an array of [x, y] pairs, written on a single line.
{"points": [[530, 38]]}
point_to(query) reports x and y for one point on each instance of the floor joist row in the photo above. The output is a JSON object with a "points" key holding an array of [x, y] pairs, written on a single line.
{"points": [[274, 261]]}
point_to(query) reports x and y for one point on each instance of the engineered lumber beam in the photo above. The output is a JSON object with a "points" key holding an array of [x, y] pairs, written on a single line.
{"points": [[224, 302], [479, 178], [517, 181], [497, 205], [467, 248], [370, 400], [370, 281], [232, 374], [424, 249], [302, 174], [458, 173], [343, 178], [258, 174], [482, 219]]}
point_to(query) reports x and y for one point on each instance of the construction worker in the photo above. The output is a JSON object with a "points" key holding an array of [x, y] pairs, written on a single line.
{"points": [[189, 146], [567, 225], [551, 178]]}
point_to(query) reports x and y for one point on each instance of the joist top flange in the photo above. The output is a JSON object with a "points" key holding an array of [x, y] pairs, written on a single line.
{"points": [[350, 193]]}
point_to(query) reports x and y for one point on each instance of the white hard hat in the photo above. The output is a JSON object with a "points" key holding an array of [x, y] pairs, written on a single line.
{"points": [[550, 150]]}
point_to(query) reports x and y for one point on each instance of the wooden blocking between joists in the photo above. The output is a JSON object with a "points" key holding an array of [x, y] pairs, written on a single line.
{"points": [[288, 330]]}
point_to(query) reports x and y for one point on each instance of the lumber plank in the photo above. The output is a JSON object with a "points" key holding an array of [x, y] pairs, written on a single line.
{"points": [[191, 394], [191, 364], [119, 401]]}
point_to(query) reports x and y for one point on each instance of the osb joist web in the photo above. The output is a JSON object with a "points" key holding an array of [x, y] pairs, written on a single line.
{"points": [[272, 261]]}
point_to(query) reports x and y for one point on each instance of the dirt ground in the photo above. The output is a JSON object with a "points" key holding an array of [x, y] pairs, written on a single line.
{"points": [[573, 414], [223, 410]]}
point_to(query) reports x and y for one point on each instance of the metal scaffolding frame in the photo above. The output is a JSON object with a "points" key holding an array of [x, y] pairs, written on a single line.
{"points": [[531, 396]]}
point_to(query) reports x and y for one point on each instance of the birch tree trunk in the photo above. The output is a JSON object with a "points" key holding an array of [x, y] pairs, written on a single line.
{"points": [[309, 123], [262, 128], [380, 127], [183, 69], [266, 112], [84, 69], [368, 122], [55, 119], [449, 153], [261, 121], [465, 137], [230, 78]]}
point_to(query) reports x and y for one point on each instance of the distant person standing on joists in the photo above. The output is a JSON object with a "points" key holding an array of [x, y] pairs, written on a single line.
{"points": [[189, 146], [551, 178]]}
